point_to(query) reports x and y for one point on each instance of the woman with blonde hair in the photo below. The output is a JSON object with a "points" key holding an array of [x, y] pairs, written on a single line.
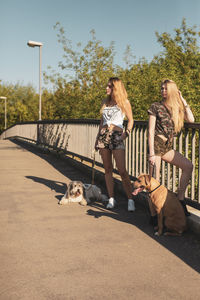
{"points": [[166, 119], [110, 137]]}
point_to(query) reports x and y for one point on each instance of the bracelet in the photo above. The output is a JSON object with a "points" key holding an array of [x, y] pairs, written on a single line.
{"points": [[151, 155]]}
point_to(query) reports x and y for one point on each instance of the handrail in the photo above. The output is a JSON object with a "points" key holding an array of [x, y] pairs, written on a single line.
{"points": [[78, 136]]}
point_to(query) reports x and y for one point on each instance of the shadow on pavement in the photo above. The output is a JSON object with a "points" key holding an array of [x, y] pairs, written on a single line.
{"points": [[57, 186], [186, 247]]}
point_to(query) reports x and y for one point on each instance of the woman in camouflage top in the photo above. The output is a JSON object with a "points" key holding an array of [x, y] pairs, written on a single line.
{"points": [[166, 119]]}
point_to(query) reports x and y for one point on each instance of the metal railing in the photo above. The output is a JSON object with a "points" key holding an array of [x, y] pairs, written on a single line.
{"points": [[77, 137]]}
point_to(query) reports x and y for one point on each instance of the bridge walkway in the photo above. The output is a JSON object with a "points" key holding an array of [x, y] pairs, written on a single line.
{"points": [[48, 251]]}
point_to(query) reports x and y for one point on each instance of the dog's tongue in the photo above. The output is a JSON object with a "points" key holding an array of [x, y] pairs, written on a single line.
{"points": [[136, 191]]}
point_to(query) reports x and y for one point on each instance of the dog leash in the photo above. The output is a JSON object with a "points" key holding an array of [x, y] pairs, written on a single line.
{"points": [[151, 169], [93, 165], [155, 189]]}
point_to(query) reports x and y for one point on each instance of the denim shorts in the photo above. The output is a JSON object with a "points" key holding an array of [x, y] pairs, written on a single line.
{"points": [[110, 140], [161, 147]]}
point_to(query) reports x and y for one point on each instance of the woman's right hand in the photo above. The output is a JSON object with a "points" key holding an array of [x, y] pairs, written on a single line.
{"points": [[152, 159], [96, 145]]}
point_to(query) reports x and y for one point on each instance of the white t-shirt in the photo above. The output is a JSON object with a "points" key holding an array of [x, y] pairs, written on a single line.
{"points": [[113, 115]]}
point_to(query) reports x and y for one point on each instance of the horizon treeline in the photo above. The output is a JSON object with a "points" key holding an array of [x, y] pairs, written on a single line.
{"points": [[80, 94]]}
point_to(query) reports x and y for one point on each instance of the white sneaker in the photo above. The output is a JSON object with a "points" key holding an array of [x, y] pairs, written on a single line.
{"points": [[131, 205], [111, 203]]}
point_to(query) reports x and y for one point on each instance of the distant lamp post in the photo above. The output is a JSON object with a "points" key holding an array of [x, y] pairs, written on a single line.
{"points": [[38, 44], [5, 98]]}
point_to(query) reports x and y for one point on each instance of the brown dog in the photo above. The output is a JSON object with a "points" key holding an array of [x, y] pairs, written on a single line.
{"points": [[168, 208]]}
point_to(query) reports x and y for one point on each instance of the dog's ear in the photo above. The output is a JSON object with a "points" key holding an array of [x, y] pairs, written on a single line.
{"points": [[147, 179], [66, 192], [71, 186]]}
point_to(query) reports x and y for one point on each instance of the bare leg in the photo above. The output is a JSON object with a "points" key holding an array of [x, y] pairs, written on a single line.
{"points": [[106, 156], [154, 170], [175, 158], [157, 166], [119, 156]]}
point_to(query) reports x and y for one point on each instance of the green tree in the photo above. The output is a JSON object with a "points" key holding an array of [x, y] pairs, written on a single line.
{"points": [[22, 104], [79, 93], [179, 61], [91, 67]]}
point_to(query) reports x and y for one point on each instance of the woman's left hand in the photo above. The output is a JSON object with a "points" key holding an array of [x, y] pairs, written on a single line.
{"points": [[123, 136], [182, 99]]}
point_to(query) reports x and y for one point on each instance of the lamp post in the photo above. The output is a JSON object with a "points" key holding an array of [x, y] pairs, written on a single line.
{"points": [[38, 44], [5, 98]]}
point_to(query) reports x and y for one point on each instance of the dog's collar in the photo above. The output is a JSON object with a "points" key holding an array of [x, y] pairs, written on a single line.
{"points": [[155, 188]]}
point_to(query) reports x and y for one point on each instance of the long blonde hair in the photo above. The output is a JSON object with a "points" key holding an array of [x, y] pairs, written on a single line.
{"points": [[175, 104], [119, 93]]}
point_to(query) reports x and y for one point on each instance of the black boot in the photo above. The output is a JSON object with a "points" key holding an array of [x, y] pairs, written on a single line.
{"points": [[187, 214]]}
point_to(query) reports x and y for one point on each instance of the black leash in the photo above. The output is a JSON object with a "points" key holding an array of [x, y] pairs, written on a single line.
{"points": [[93, 166], [155, 188], [151, 169]]}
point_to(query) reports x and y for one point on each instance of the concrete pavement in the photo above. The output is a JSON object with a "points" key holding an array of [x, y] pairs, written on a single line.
{"points": [[57, 252]]}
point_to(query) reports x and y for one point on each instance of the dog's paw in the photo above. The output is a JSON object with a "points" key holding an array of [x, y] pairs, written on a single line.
{"points": [[88, 200], [63, 201], [157, 233], [83, 202], [104, 198]]}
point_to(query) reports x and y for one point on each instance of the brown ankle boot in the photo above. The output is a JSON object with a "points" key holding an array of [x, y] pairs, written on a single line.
{"points": [[187, 214]]}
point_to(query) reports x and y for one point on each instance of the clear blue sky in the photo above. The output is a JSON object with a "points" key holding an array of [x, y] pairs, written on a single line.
{"points": [[132, 22]]}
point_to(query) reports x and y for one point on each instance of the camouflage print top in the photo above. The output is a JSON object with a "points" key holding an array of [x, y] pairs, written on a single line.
{"points": [[164, 123]]}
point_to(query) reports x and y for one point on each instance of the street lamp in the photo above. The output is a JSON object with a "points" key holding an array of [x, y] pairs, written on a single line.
{"points": [[38, 44], [5, 98]]}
